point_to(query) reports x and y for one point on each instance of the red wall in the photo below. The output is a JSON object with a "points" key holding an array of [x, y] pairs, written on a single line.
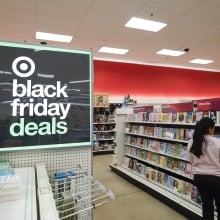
{"points": [[119, 79]]}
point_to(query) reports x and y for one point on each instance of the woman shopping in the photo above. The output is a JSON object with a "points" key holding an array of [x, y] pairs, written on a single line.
{"points": [[204, 155]]}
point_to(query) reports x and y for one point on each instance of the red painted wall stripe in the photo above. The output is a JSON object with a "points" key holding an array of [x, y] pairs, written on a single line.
{"points": [[119, 79]]}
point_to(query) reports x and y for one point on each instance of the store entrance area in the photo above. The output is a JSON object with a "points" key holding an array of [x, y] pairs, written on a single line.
{"points": [[131, 202]]}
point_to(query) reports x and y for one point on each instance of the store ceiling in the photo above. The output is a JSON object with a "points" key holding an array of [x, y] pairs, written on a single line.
{"points": [[192, 24]]}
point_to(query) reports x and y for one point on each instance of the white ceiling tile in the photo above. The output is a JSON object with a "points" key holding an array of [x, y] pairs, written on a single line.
{"points": [[94, 23]]}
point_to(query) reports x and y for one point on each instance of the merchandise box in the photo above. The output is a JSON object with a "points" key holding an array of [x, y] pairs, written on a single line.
{"points": [[101, 100]]}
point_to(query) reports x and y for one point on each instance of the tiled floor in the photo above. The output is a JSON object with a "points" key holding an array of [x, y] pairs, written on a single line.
{"points": [[131, 202]]}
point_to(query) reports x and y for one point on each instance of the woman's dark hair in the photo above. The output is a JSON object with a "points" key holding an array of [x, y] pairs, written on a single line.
{"points": [[201, 129]]}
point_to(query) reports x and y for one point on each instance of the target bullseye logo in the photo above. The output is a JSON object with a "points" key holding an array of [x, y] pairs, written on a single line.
{"points": [[23, 66]]}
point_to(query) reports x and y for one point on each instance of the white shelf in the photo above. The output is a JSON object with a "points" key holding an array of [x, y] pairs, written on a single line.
{"points": [[24, 208], [182, 201], [165, 123], [157, 137]]}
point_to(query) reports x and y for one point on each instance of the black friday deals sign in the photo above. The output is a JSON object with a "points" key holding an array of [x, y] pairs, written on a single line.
{"points": [[45, 96]]}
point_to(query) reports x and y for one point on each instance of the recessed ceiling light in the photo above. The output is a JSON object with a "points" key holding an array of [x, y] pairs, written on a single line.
{"points": [[113, 50], [201, 61], [144, 24], [167, 52], [54, 37]]}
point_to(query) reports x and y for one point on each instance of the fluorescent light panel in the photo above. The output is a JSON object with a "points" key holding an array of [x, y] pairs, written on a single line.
{"points": [[168, 52], [144, 24], [201, 61], [113, 50], [54, 37]]}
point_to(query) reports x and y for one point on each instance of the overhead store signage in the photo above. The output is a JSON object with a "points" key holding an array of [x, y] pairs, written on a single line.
{"points": [[45, 97], [207, 104], [178, 107]]}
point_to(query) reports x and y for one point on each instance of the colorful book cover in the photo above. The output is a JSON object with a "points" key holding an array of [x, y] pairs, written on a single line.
{"points": [[138, 141], [183, 151], [150, 144], [149, 156], [175, 165], [153, 175], [170, 182], [164, 117], [140, 116], [162, 147], [181, 117], [167, 148], [169, 162], [164, 178], [159, 177], [177, 149], [156, 146], [199, 115], [180, 133], [163, 161], [188, 189], [172, 149], [189, 133], [189, 117], [182, 167], [174, 117], [147, 172], [156, 158]]}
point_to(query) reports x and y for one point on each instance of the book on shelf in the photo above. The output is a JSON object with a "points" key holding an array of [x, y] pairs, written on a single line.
{"points": [[189, 133], [140, 116], [199, 115], [170, 182], [174, 117], [164, 177], [162, 147], [190, 117], [138, 141], [181, 117], [169, 133], [180, 133], [140, 129], [166, 117], [175, 149], [159, 177], [155, 146], [146, 116], [153, 175], [182, 167], [156, 158], [144, 142], [147, 172], [183, 151], [163, 161], [195, 196], [188, 171], [158, 131], [178, 185], [188, 190], [167, 148]]}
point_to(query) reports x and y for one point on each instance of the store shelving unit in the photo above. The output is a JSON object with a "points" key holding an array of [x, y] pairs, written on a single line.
{"points": [[151, 153], [103, 130]]}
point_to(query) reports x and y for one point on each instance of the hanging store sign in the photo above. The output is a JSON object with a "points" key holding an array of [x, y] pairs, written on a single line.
{"points": [[45, 97]]}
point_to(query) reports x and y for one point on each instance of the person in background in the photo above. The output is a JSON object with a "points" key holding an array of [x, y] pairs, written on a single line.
{"points": [[204, 154]]}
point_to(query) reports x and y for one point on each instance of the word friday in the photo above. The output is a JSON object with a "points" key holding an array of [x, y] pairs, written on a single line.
{"points": [[39, 109]]}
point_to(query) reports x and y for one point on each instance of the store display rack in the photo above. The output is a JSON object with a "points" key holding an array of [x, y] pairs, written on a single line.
{"points": [[104, 129], [151, 152]]}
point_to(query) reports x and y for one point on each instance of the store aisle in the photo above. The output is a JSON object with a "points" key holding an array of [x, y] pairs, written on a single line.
{"points": [[131, 202]]}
